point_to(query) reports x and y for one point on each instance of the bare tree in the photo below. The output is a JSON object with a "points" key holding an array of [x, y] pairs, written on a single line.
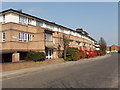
{"points": [[64, 41], [103, 44]]}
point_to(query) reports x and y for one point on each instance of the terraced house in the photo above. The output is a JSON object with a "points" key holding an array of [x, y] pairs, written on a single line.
{"points": [[21, 32]]}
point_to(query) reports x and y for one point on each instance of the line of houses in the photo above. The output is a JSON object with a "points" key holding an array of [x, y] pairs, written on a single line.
{"points": [[113, 48], [21, 32]]}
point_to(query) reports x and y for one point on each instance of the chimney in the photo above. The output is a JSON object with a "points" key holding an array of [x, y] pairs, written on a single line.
{"points": [[79, 30], [20, 10]]}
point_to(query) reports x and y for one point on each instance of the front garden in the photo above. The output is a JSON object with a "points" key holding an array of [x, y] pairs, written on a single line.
{"points": [[74, 54]]}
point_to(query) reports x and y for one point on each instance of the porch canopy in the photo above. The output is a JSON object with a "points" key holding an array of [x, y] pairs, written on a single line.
{"points": [[49, 31], [49, 47]]}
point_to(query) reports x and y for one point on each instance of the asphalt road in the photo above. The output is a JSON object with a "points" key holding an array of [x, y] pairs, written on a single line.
{"points": [[97, 74]]}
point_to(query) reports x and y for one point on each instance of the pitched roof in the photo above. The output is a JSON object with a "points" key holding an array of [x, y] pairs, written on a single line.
{"points": [[53, 23]]}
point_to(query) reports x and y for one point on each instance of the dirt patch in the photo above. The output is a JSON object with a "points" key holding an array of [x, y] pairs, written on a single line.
{"points": [[27, 64]]}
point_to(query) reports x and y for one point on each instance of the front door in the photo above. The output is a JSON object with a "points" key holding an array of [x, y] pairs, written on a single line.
{"points": [[49, 53]]}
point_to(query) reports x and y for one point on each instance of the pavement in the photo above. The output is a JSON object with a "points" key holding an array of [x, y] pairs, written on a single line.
{"points": [[99, 72], [11, 74]]}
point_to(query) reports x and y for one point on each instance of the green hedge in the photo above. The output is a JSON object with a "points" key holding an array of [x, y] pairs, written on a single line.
{"points": [[72, 54], [34, 55], [102, 52]]}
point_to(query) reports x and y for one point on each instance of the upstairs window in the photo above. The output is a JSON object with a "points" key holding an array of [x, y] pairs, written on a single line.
{"points": [[61, 30], [38, 23], [29, 21], [23, 20], [3, 18], [3, 36], [49, 26], [48, 37]]}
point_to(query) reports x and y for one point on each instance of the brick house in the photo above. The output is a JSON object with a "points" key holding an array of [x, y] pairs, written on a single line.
{"points": [[113, 48], [21, 32]]}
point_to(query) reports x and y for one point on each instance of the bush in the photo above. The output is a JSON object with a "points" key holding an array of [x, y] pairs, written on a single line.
{"points": [[37, 56], [102, 52], [82, 55], [72, 54]]}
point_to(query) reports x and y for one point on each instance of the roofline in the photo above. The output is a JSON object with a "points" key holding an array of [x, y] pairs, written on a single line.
{"points": [[40, 19], [36, 18]]}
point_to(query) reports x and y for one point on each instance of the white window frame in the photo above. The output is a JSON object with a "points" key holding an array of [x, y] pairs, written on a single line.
{"points": [[3, 18], [3, 36], [39, 23], [30, 37], [47, 38], [24, 37], [23, 20], [29, 21], [21, 36]]}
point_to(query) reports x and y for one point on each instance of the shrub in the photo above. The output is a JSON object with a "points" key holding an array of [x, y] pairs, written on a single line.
{"points": [[82, 55], [102, 52], [72, 54], [37, 56]]}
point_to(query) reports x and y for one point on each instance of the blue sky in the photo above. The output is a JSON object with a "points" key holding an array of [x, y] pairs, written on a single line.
{"points": [[99, 19]]}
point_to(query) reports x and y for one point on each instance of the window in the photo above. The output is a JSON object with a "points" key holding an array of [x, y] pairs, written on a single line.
{"points": [[48, 37], [3, 36], [24, 37], [38, 23], [21, 36], [29, 21], [49, 26], [29, 37], [3, 18], [23, 20], [61, 30]]}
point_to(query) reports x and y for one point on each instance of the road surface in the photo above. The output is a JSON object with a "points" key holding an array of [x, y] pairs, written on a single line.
{"points": [[96, 74]]}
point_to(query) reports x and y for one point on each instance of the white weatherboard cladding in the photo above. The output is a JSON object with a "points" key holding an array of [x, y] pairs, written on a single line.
{"points": [[82, 36], [72, 33], [33, 22], [1, 18], [8, 17], [66, 31], [79, 35], [61, 30], [55, 29], [12, 18], [15, 18], [44, 25]]}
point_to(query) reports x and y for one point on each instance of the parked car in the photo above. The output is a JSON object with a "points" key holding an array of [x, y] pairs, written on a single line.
{"points": [[107, 52]]}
